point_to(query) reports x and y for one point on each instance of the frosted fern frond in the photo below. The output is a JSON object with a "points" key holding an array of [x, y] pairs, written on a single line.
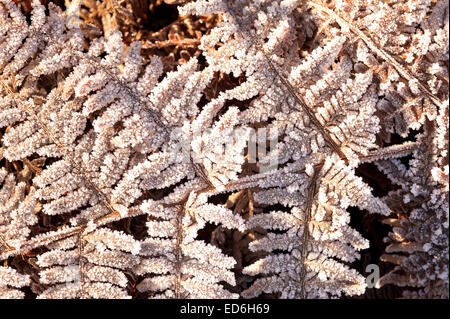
{"points": [[311, 234], [180, 265], [112, 127], [406, 44], [317, 110], [418, 243], [17, 209], [41, 47], [93, 268]]}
